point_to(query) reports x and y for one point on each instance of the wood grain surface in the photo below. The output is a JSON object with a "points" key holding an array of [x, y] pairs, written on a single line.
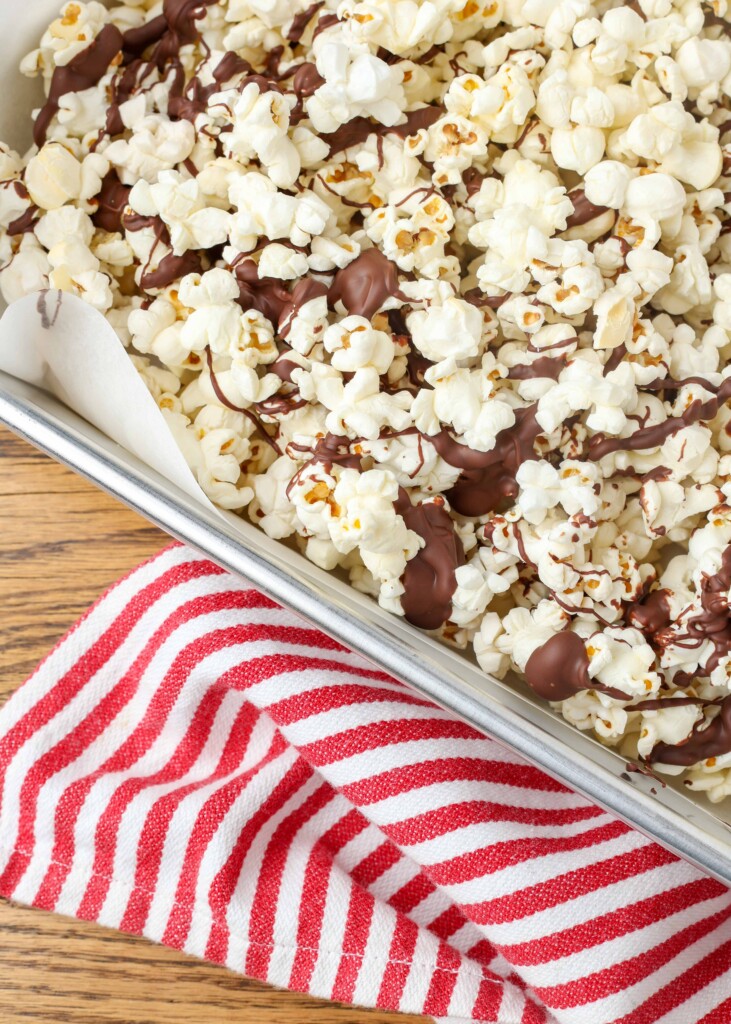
{"points": [[62, 543]]}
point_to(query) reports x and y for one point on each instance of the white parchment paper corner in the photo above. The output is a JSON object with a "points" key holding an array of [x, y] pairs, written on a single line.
{"points": [[65, 346]]}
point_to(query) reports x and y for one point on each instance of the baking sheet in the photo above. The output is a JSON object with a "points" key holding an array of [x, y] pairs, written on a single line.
{"points": [[689, 827], [123, 445]]}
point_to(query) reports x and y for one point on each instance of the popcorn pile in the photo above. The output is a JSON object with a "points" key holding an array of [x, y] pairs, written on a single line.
{"points": [[441, 290]]}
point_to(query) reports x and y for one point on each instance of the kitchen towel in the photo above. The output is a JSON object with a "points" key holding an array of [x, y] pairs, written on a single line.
{"points": [[197, 765]]}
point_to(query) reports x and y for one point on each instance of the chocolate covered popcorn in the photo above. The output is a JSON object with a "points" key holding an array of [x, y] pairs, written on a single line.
{"points": [[439, 293]]}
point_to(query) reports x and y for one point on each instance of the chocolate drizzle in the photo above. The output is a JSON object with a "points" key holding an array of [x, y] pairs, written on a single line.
{"points": [[113, 200], [544, 366], [137, 40], [476, 297], [488, 478], [712, 741], [218, 391], [365, 284], [25, 223], [356, 131], [330, 450], [584, 211], [300, 21], [654, 436], [307, 79], [473, 180], [712, 623], [48, 320], [429, 580], [181, 16], [265, 294], [559, 669], [303, 292], [171, 268], [83, 72], [651, 614]]}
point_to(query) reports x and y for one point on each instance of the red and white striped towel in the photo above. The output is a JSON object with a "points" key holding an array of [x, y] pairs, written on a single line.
{"points": [[195, 764]]}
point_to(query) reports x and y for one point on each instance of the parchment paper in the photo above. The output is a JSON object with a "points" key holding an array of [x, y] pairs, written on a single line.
{"points": [[68, 348]]}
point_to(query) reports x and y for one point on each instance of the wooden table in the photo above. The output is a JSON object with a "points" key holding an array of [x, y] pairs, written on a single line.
{"points": [[62, 543]]}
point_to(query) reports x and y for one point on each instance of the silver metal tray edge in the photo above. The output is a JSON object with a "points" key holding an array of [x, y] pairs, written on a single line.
{"points": [[688, 826]]}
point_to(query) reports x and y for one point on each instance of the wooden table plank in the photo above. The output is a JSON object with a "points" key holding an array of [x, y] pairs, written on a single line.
{"points": [[62, 543]]}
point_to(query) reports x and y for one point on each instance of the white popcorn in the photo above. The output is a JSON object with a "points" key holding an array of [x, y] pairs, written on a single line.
{"points": [[465, 400], [472, 594], [615, 315], [690, 282], [620, 659], [577, 149], [260, 122], [703, 64], [655, 196], [305, 329], [453, 328], [53, 177], [492, 660], [354, 344], [262, 211], [583, 385], [680, 145], [413, 229], [357, 84], [181, 204], [606, 183], [64, 223], [498, 104], [527, 208], [593, 110], [282, 262], [156, 145], [650, 269], [25, 272], [454, 142], [215, 320], [75, 269], [399, 26], [359, 405]]}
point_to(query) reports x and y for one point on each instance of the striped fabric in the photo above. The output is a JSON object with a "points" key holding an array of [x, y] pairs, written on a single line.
{"points": [[194, 764]]}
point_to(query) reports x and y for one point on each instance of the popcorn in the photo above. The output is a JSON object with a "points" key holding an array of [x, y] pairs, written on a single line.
{"points": [[259, 129], [578, 148], [499, 104], [681, 146], [156, 145], [262, 211], [464, 399], [354, 344], [66, 37], [438, 290], [451, 328], [357, 84], [181, 205], [521, 214], [453, 144], [654, 196], [606, 183], [399, 26], [53, 177]]}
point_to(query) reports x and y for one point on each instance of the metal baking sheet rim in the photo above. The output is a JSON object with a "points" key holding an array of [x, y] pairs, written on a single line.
{"points": [[684, 825]]}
